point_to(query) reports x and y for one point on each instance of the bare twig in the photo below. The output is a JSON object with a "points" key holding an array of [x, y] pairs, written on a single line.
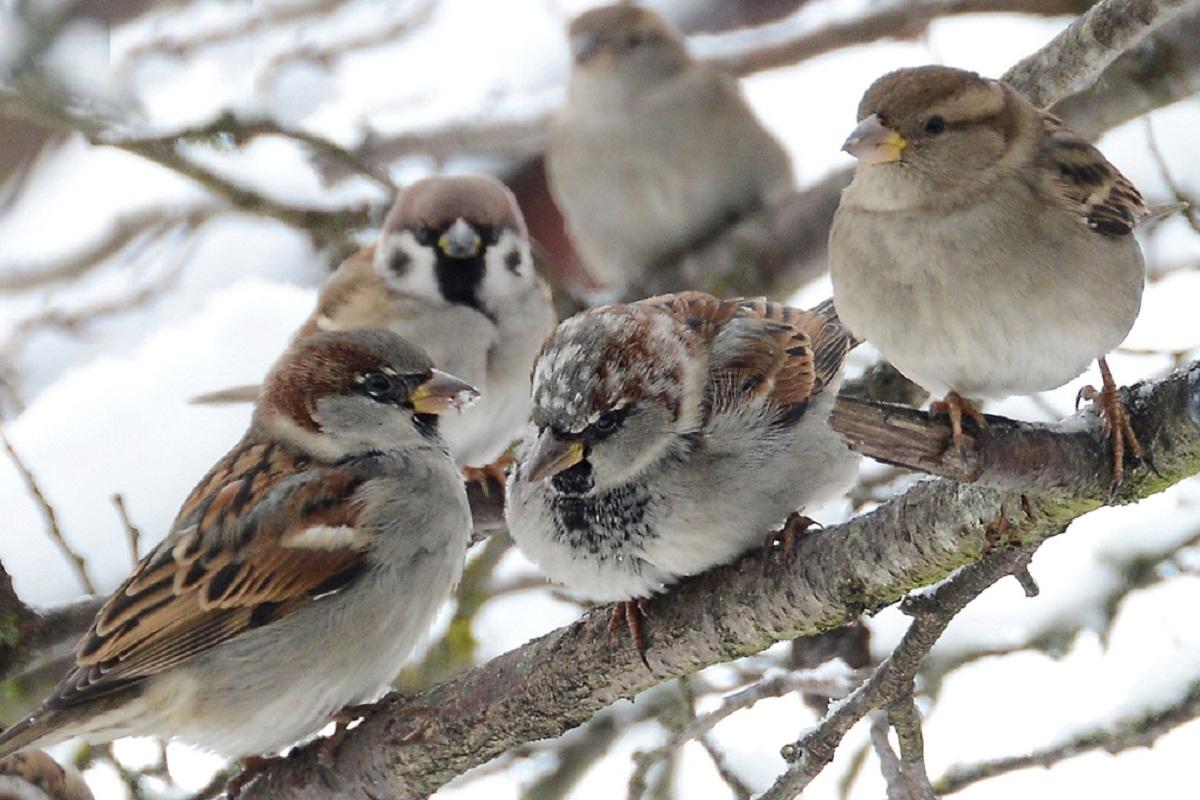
{"points": [[76, 561], [1141, 731], [905, 719], [1191, 213], [248, 25], [889, 762], [126, 230], [388, 33], [931, 614], [74, 321], [132, 534], [897, 20], [228, 129]]}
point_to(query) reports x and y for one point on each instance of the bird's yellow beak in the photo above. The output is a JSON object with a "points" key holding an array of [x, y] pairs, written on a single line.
{"points": [[441, 393], [872, 142], [552, 454], [460, 240]]}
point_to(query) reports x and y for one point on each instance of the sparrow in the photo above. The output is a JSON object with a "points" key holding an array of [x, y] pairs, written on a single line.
{"points": [[983, 247], [672, 435], [653, 152], [299, 573], [33, 775], [451, 272]]}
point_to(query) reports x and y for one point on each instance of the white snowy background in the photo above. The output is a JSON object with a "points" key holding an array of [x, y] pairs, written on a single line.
{"points": [[106, 408]]}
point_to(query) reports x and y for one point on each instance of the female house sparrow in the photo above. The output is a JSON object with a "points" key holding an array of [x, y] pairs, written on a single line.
{"points": [[298, 575], [983, 247], [652, 152], [452, 273], [33, 775], [674, 434]]}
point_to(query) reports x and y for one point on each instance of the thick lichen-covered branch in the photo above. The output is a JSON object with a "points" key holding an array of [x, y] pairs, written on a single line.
{"points": [[408, 746]]}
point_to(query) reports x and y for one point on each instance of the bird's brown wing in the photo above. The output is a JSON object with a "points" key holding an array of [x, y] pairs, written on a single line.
{"points": [[263, 534], [1083, 179], [763, 349]]}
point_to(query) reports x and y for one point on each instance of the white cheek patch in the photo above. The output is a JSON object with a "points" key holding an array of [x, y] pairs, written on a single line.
{"points": [[500, 279], [417, 279], [326, 537]]}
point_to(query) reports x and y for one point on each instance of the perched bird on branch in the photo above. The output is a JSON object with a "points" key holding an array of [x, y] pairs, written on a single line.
{"points": [[33, 775], [451, 272], [673, 435], [300, 572], [985, 248], [653, 152]]}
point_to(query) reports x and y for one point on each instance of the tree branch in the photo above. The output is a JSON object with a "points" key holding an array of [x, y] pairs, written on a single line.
{"points": [[409, 746], [1074, 59], [1140, 731], [931, 614], [901, 20], [1161, 70]]}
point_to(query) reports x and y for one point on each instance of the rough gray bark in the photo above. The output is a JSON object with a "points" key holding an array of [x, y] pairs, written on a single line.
{"points": [[1075, 58], [407, 747]]}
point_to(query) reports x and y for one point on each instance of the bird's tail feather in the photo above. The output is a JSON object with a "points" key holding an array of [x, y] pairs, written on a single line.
{"points": [[21, 735], [234, 394]]}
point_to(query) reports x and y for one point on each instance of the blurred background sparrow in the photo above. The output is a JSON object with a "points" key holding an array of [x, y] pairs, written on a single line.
{"points": [[451, 272], [299, 574], [673, 435], [983, 247], [653, 152]]}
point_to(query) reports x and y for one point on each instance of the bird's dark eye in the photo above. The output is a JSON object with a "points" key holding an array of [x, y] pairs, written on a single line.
{"points": [[425, 234], [635, 39], [379, 386], [609, 422], [935, 125]]}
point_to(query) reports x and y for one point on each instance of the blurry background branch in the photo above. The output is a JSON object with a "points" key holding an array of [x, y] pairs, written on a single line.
{"points": [[559, 680]]}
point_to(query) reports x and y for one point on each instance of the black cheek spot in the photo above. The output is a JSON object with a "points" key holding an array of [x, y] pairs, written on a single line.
{"points": [[513, 262], [399, 262]]}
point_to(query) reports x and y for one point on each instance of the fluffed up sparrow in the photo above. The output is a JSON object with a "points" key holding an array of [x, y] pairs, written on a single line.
{"points": [[652, 152], [451, 272], [33, 775], [299, 574], [674, 434], [983, 247]]}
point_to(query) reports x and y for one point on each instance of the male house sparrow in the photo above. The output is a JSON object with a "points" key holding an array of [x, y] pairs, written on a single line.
{"points": [[298, 575], [982, 246], [674, 434], [652, 152], [452, 273], [33, 775]]}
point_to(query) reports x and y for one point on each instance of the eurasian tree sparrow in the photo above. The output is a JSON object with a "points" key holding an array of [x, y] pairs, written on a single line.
{"points": [[983, 247], [300, 572], [653, 152], [674, 434], [451, 272]]}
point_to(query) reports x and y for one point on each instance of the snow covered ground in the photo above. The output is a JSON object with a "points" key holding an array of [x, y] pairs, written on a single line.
{"points": [[107, 411]]}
